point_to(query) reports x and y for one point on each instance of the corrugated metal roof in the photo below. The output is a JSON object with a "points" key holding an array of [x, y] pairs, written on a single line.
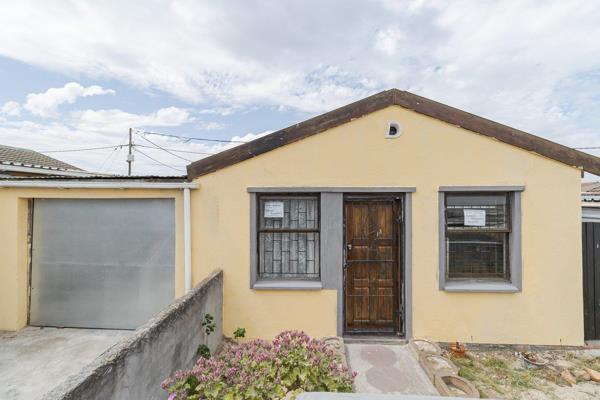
{"points": [[28, 158], [146, 178], [590, 192]]}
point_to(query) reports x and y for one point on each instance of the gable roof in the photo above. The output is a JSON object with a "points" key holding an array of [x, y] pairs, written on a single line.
{"points": [[406, 100], [28, 158]]}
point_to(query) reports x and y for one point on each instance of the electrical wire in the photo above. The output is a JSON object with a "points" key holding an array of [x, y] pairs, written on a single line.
{"points": [[587, 148], [85, 149], [155, 160], [188, 138], [109, 166], [176, 150], [107, 158], [161, 148]]}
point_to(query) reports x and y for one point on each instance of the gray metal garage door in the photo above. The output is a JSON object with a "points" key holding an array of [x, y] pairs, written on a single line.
{"points": [[101, 263]]}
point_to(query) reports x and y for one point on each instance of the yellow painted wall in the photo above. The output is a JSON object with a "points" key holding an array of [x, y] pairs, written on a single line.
{"points": [[14, 258], [429, 154]]}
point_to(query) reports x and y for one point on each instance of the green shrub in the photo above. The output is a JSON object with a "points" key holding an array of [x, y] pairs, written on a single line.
{"points": [[239, 333], [209, 324], [203, 351]]}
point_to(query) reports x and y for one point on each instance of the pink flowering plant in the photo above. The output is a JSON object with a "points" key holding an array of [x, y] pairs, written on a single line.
{"points": [[292, 362]]}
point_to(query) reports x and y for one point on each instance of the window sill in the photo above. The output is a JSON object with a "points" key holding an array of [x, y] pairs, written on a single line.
{"points": [[480, 286], [287, 285]]}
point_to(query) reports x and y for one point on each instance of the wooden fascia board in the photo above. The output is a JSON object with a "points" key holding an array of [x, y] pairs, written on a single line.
{"points": [[406, 100]]}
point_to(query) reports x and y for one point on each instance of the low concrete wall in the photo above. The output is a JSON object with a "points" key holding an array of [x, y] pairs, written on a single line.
{"points": [[135, 367]]}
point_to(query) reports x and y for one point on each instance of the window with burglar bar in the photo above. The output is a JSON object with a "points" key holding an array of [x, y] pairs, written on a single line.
{"points": [[288, 237], [477, 235]]}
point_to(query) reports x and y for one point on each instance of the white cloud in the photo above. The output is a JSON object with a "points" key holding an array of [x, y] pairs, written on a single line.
{"points": [[115, 120], [460, 52], [529, 64], [211, 126], [388, 40], [11, 108], [46, 104], [222, 111]]}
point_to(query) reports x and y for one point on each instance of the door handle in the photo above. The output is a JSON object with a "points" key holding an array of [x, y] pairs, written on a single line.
{"points": [[349, 247]]}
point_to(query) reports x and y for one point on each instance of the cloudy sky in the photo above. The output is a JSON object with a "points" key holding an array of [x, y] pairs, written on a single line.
{"points": [[76, 75]]}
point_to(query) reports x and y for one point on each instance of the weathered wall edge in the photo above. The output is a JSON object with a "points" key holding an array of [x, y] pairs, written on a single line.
{"points": [[161, 337]]}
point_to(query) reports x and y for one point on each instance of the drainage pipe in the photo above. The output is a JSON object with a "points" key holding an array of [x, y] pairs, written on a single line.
{"points": [[187, 241]]}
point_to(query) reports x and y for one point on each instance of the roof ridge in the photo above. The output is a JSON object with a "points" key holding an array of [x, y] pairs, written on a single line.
{"points": [[407, 100]]}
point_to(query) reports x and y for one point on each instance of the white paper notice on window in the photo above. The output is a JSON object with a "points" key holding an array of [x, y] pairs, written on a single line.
{"points": [[273, 209], [474, 217]]}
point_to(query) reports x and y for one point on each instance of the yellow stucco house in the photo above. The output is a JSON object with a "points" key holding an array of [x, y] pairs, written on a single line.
{"points": [[393, 215]]}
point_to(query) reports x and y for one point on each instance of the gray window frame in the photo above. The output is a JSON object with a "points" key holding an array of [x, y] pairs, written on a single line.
{"points": [[514, 284], [260, 229], [277, 284]]}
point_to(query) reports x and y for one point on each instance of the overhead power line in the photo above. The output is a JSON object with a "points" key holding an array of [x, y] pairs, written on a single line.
{"points": [[112, 153], [162, 148], [85, 149], [118, 146], [587, 148], [188, 138], [155, 160], [155, 146], [176, 150]]}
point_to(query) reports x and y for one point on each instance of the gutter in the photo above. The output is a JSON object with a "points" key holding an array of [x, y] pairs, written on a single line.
{"points": [[95, 184], [187, 240], [184, 186]]}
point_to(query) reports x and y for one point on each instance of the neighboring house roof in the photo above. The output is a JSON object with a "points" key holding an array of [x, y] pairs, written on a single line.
{"points": [[99, 182], [590, 193], [145, 178], [19, 157], [406, 100]]}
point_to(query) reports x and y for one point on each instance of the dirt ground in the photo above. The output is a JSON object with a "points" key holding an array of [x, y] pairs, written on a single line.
{"points": [[503, 374]]}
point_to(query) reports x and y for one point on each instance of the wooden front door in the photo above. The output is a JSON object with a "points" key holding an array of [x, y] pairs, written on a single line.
{"points": [[591, 280], [372, 280]]}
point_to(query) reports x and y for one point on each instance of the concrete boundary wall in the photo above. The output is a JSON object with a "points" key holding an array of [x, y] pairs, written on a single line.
{"points": [[135, 367]]}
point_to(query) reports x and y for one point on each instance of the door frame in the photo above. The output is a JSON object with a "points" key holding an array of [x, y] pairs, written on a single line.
{"points": [[591, 279], [400, 273]]}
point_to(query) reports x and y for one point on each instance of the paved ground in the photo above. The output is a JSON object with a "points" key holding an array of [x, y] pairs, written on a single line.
{"points": [[362, 396], [34, 360], [392, 369]]}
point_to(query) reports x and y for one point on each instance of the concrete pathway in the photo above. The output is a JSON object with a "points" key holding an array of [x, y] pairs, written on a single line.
{"points": [[392, 369], [35, 360]]}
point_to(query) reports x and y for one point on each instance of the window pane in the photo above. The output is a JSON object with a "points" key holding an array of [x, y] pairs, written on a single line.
{"points": [[477, 212], [288, 255], [296, 213], [477, 255]]}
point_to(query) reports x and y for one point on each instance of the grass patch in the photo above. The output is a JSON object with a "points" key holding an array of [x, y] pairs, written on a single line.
{"points": [[493, 377], [496, 363], [592, 363], [467, 374], [522, 379], [474, 371]]}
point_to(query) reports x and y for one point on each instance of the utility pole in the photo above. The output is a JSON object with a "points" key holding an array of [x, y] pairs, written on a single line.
{"points": [[130, 157]]}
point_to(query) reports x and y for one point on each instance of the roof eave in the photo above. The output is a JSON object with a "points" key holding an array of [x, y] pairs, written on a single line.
{"points": [[407, 100]]}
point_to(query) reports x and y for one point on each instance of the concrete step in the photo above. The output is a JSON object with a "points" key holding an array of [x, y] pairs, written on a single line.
{"points": [[367, 339]]}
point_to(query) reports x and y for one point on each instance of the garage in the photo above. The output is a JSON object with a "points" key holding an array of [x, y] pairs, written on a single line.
{"points": [[100, 263]]}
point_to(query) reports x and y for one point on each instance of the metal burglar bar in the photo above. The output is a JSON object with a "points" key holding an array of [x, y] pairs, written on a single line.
{"points": [[288, 237], [477, 248]]}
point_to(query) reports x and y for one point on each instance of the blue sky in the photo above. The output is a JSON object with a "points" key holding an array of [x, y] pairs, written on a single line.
{"points": [[79, 74]]}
